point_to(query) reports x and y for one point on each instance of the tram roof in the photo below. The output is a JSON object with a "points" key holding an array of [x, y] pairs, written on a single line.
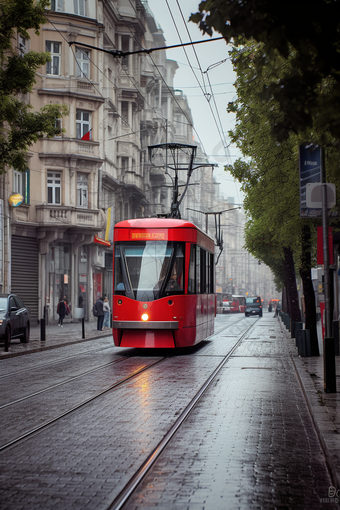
{"points": [[162, 223], [155, 223]]}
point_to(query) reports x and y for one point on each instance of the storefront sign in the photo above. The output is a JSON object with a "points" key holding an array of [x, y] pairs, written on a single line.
{"points": [[99, 240], [15, 200]]}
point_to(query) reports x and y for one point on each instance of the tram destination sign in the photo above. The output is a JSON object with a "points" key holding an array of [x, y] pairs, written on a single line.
{"points": [[310, 172], [148, 236]]}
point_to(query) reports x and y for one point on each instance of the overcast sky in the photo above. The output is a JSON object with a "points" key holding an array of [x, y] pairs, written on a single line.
{"points": [[207, 81]]}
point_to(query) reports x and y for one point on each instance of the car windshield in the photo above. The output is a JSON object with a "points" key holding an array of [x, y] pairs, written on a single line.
{"points": [[3, 304], [149, 270]]}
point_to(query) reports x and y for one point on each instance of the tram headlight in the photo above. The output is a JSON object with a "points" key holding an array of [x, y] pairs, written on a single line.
{"points": [[145, 317]]}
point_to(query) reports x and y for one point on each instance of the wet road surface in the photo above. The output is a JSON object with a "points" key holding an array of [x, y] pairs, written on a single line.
{"points": [[249, 443]]}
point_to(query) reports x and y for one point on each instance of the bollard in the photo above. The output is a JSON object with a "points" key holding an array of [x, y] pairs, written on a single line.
{"points": [[42, 330], [303, 350], [329, 365], [285, 318], [308, 345], [335, 332], [298, 340], [295, 327], [83, 327]]}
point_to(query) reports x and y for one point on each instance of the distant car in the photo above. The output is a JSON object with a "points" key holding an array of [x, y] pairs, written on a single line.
{"points": [[15, 319], [226, 307], [253, 306]]}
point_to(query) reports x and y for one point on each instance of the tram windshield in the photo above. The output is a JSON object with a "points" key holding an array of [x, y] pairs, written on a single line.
{"points": [[149, 270]]}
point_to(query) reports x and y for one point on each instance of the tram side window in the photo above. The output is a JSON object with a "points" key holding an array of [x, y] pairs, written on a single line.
{"points": [[204, 271], [207, 273], [198, 270], [119, 287], [212, 272], [192, 271]]}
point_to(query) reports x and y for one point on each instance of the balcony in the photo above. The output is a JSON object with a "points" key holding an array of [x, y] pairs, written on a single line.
{"points": [[70, 217], [60, 147]]}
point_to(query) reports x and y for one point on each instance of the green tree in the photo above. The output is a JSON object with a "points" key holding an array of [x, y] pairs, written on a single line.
{"points": [[19, 125], [308, 93], [274, 232]]}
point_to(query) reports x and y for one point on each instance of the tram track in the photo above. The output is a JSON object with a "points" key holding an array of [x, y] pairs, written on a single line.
{"points": [[87, 401], [67, 381], [144, 469], [78, 406], [54, 362]]}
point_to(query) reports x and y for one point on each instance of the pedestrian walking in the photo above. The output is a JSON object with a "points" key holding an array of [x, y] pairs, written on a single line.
{"points": [[61, 311], [107, 310], [98, 311]]}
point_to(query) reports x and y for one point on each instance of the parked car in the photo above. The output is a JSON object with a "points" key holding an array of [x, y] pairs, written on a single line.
{"points": [[226, 306], [15, 319]]}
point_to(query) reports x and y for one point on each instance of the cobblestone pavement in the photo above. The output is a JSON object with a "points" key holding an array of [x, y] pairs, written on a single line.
{"points": [[250, 443], [55, 336]]}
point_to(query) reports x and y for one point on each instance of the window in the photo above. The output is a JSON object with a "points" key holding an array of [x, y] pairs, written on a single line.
{"points": [[149, 270], [125, 48], [57, 5], [21, 181], [53, 67], [82, 191], [192, 271], [59, 125], [22, 46], [54, 188], [83, 126], [79, 7], [125, 111], [204, 271], [83, 63]]}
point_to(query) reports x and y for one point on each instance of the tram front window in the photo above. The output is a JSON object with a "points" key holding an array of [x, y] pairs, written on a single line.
{"points": [[149, 270]]}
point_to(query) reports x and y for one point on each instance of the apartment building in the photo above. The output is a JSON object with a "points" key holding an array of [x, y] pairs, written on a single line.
{"points": [[98, 171]]}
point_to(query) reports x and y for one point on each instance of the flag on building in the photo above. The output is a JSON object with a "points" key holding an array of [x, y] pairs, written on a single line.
{"points": [[87, 136]]}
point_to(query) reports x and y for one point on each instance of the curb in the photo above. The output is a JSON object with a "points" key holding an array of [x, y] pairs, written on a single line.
{"points": [[49, 347]]}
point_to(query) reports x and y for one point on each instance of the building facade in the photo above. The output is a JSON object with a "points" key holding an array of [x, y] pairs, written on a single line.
{"points": [[98, 172]]}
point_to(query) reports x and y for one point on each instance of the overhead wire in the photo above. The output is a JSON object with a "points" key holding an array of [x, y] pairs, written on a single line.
{"points": [[205, 93]]}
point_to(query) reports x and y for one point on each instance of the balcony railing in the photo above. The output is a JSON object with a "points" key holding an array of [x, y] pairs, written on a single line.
{"points": [[54, 215]]}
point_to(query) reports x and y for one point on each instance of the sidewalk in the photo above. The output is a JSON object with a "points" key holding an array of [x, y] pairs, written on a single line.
{"points": [[71, 332], [324, 407]]}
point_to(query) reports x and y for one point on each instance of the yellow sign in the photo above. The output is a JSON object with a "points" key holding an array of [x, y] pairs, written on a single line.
{"points": [[15, 200]]}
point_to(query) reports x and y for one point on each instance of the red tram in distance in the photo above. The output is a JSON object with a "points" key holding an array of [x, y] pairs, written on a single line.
{"points": [[163, 284]]}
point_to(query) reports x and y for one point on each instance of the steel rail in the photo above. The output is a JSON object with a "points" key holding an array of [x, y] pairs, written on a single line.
{"points": [[70, 379], [137, 478], [82, 404], [55, 362]]}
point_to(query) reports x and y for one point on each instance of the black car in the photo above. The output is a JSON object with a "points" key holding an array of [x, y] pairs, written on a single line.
{"points": [[15, 319], [253, 306]]}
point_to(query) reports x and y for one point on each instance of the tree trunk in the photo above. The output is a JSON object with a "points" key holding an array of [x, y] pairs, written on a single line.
{"points": [[308, 290], [290, 283]]}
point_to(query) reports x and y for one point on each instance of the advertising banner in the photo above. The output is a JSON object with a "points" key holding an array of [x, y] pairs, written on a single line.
{"points": [[310, 172]]}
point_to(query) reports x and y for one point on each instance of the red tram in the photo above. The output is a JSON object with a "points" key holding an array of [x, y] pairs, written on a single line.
{"points": [[164, 284]]}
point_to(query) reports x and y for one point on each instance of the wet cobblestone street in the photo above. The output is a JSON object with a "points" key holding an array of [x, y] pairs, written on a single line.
{"points": [[250, 441]]}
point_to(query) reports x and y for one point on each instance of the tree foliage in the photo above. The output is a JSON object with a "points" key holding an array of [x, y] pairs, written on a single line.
{"points": [[309, 91], [19, 125]]}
